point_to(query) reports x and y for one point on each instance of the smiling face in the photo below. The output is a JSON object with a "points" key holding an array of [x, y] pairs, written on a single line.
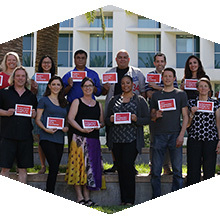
{"points": [[168, 78], [203, 88], [11, 62], [126, 84], [159, 63], [46, 65], [20, 78], [55, 86], [193, 65], [87, 88], [122, 60]]}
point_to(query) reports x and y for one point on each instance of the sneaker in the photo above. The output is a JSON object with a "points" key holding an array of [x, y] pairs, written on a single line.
{"points": [[113, 169]]}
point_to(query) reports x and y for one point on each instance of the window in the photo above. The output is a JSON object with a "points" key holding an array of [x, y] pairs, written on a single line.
{"points": [[100, 50], [147, 23], [67, 23], [28, 47], [65, 50], [98, 22], [186, 45], [148, 46], [217, 56]]}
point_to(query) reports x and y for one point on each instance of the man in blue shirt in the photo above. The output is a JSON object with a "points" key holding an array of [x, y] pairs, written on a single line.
{"points": [[73, 89]]}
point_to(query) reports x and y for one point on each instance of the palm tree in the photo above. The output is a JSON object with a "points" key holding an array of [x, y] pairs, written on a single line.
{"points": [[47, 44], [15, 45]]}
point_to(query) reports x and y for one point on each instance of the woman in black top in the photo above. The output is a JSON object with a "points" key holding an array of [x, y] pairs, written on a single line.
{"points": [[126, 140], [203, 136], [84, 169]]}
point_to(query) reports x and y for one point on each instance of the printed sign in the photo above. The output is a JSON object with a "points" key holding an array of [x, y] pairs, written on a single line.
{"points": [[87, 123], [167, 104], [204, 106], [190, 84], [42, 77], [122, 118], [78, 76], [150, 77], [53, 122], [109, 78], [23, 110], [1, 80]]}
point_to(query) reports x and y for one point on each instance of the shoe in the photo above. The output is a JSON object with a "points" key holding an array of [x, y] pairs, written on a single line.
{"points": [[82, 202], [42, 170], [167, 172], [90, 203], [113, 169]]}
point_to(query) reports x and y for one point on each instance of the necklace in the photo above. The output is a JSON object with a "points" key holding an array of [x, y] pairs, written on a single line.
{"points": [[89, 103]]}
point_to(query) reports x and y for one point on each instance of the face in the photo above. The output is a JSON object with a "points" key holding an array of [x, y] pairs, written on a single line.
{"points": [[159, 63], [20, 78], [203, 88], [55, 86], [168, 78], [80, 61], [193, 65], [11, 62], [126, 84], [46, 65], [122, 60], [88, 88]]}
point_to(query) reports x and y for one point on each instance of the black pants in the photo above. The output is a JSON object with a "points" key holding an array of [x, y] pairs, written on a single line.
{"points": [[200, 153], [125, 155], [53, 153]]}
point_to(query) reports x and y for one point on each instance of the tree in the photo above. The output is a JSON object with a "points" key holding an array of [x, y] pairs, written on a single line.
{"points": [[47, 44]]}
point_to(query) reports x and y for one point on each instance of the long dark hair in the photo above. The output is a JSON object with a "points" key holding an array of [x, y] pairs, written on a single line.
{"points": [[187, 72], [61, 96], [52, 70]]}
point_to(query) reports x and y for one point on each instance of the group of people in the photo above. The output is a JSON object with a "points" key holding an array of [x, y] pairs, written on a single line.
{"points": [[169, 111]]}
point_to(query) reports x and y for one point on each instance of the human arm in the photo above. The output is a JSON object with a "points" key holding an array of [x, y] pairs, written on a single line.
{"points": [[180, 138], [41, 125], [72, 115], [8, 112], [101, 118], [191, 114], [34, 87]]}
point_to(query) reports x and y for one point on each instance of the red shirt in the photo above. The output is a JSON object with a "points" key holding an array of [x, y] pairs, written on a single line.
{"points": [[4, 80]]}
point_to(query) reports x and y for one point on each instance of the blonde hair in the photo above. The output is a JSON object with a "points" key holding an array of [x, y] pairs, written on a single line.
{"points": [[11, 78], [3, 64]]}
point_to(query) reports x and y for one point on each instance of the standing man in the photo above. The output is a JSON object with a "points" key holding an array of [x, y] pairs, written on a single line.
{"points": [[168, 133], [123, 68], [73, 89], [151, 88], [16, 131]]}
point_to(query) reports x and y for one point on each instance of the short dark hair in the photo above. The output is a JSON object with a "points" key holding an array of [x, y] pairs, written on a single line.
{"points": [[160, 55], [85, 80], [171, 70], [128, 76], [80, 52]]}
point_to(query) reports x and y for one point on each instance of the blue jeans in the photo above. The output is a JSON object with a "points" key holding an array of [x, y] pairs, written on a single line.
{"points": [[163, 142]]}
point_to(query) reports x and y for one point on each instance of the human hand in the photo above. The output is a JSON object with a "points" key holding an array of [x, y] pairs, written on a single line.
{"points": [[152, 85], [34, 113], [218, 148], [112, 118], [51, 130], [65, 129], [10, 112], [194, 109], [159, 114], [133, 117], [87, 130], [179, 141], [70, 81]]}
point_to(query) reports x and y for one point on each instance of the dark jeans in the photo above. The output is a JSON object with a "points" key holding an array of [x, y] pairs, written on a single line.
{"points": [[53, 153], [163, 142], [125, 155], [200, 153]]}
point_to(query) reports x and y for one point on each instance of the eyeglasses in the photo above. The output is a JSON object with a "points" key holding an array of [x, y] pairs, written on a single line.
{"points": [[88, 86]]}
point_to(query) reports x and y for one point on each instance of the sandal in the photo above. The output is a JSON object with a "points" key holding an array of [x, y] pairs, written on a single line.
{"points": [[82, 202], [42, 170], [90, 203]]}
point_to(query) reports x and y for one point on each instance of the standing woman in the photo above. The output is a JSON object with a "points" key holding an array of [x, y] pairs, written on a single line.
{"points": [[203, 136], [53, 104], [10, 62], [193, 70], [126, 140], [84, 169], [46, 65]]}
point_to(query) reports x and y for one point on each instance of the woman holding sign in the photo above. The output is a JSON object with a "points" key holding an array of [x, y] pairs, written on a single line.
{"points": [[84, 169], [46, 69], [203, 134], [192, 72], [126, 115], [51, 113]]}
